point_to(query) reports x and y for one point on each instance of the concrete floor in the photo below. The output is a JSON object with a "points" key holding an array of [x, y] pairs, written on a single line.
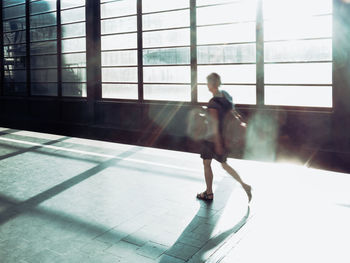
{"points": [[66, 199]]}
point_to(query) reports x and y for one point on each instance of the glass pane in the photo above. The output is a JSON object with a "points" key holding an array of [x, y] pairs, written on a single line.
{"points": [[299, 50], [15, 89], [69, 3], [12, 12], [167, 92], [12, 63], [48, 61], [177, 37], [233, 33], [73, 45], [298, 73], [41, 34], [169, 74], [6, 3], [213, 2], [15, 37], [287, 9], [43, 20], [15, 75], [73, 30], [123, 41], [48, 47], [42, 6], [233, 12], [245, 94], [312, 96], [119, 74], [14, 25], [74, 60], [166, 20], [44, 89], [74, 75], [44, 75], [118, 8], [160, 5], [239, 53], [119, 58], [119, 25], [166, 56], [312, 27], [74, 89], [73, 15], [15, 50], [229, 73], [120, 91]]}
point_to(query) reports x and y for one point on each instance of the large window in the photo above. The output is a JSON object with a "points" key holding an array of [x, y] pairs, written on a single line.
{"points": [[226, 44], [166, 50], [14, 47], [267, 52], [298, 52], [73, 48], [119, 49], [43, 48]]}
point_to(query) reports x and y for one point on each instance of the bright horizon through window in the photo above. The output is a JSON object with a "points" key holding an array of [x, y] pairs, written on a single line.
{"points": [[298, 52]]}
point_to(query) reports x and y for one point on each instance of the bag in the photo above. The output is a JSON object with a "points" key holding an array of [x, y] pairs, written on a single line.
{"points": [[198, 125], [234, 131]]}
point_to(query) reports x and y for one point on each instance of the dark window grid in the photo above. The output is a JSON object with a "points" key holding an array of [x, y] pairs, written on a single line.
{"points": [[17, 43], [39, 27], [122, 33], [75, 67], [12, 5], [299, 62], [116, 17], [43, 41], [77, 82], [226, 64], [126, 66], [219, 4], [71, 8], [73, 52], [165, 29], [167, 83], [41, 69], [13, 18], [231, 83], [44, 27], [78, 37], [227, 44], [148, 66], [299, 84], [42, 13], [294, 39], [167, 47], [75, 22], [72, 23], [227, 23], [119, 82], [19, 56], [166, 11], [125, 49], [12, 31]]}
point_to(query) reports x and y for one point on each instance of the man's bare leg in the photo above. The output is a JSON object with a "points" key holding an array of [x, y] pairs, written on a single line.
{"points": [[247, 188], [208, 175]]}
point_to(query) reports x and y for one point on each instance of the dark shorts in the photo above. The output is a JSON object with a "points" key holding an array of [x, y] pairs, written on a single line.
{"points": [[208, 152]]}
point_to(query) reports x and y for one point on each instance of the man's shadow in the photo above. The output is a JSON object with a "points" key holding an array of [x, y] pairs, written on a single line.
{"points": [[204, 234]]}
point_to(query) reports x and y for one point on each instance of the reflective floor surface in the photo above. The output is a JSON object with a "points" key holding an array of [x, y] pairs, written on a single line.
{"points": [[65, 199]]}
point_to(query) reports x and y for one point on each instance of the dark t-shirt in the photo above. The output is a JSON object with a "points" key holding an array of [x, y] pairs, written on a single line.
{"points": [[222, 104]]}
